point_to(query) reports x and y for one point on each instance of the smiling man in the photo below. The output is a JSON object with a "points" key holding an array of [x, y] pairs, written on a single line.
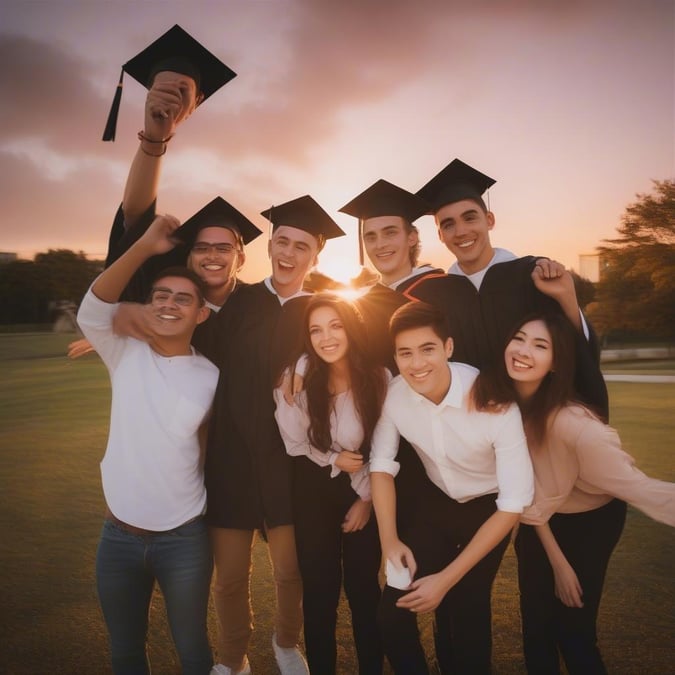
{"points": [[180, 75], [152, 475], [488, 290], [480, 480], [216, 236], [247, 468], [386, 214]]}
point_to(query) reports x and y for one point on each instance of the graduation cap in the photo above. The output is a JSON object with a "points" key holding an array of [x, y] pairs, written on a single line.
{"points": [[384, 199], [217, 213], [305, 214], [457, 181], [178, 51]]}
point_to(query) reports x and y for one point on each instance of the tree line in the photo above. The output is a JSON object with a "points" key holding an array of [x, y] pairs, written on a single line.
{"points": [[635, 297], [31, 291]]}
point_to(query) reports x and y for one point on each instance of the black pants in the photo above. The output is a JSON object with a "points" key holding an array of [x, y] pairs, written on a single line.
{"points": [[587, 539], [411, 482], [327, 555], [463, 620]]}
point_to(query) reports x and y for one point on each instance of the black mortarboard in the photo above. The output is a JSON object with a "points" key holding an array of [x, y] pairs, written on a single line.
{"points": [[217, 213], [457, 181], [305, 214], [178, 51], [384, 199]]}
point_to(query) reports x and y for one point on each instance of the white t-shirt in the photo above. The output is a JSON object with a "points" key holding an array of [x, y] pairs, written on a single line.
{"points": [[151, 471], [466, 453]]}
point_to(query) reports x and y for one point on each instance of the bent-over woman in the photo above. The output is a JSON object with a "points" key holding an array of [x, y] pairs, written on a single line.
{"points": [[583, 480]]}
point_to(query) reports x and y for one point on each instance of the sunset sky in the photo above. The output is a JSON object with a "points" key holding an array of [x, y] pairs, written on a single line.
{"points": [[569, 105]]}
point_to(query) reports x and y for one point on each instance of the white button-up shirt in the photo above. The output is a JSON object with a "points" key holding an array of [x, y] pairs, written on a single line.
{"points": [[466, 453]]}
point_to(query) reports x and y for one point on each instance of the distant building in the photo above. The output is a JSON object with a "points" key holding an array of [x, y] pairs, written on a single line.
{"points": [[6, 257], [589, 266]]}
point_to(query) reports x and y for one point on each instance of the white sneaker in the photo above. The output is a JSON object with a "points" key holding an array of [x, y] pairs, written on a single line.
{"points": [[220, 669], [289, 659]]}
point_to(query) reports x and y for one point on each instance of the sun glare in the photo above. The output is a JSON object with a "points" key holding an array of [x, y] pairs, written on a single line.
{"points": [[338, 267], [352, 294]]}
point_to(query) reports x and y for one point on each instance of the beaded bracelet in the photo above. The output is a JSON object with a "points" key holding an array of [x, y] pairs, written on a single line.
{"points": [[143, 137]]}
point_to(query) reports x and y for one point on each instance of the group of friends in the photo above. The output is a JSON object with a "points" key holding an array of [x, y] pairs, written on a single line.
{"points": [[413, 429]]}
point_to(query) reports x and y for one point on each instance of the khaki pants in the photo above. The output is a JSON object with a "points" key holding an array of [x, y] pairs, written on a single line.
{"points": [[231, 590]]}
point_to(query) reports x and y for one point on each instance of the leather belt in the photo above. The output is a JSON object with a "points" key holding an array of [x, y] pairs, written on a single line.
{"points": [[139, 531]]}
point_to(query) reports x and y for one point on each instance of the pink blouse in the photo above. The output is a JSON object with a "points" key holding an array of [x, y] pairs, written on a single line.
{"points": [[581, 467]]}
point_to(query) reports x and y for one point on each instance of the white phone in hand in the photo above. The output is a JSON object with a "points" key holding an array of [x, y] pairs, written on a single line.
{"points": [[400, 579]]}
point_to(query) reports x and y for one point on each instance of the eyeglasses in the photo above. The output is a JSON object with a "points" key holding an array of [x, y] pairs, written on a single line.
{"points": [[160, 296], [202, 248]]}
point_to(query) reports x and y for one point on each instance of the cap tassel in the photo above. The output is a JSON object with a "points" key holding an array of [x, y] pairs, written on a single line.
{"points": [[270, 230], [111, 124], [360, 235]]}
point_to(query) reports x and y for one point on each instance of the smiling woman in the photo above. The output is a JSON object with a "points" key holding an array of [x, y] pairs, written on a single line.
{"points": [[583, 480], [327, 431]]}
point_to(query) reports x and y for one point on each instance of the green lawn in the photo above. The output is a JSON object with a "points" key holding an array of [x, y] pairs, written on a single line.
{"points": [[643, 367], [53, 425]]}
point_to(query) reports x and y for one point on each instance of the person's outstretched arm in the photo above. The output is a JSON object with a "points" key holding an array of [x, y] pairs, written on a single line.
{"points": [[164, 111], [157, 240]]}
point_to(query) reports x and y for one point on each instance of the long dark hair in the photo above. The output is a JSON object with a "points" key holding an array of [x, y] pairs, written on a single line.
{"points": [[494, 388], [367, 379]]}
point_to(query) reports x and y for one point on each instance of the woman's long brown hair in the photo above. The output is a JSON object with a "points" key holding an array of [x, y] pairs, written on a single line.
{"points": [[494, 388], [367, 379]]}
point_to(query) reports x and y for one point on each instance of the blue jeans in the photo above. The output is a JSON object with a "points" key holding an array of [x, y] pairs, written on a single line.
{"points": [[127, 567]]}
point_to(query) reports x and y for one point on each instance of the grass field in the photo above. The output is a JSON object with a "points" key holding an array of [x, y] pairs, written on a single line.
{"points": [[53, 426]]}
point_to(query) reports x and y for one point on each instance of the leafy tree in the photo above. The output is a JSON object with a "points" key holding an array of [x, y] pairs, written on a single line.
{"points": [[636, 291], [29, 289], [22, 299], [585, 289], [66, 274]]}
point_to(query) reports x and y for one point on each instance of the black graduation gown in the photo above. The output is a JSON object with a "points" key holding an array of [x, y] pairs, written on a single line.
{"points": [[481, 321], [412, 282], [247, 471], [120, 241], [376, 307]]}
